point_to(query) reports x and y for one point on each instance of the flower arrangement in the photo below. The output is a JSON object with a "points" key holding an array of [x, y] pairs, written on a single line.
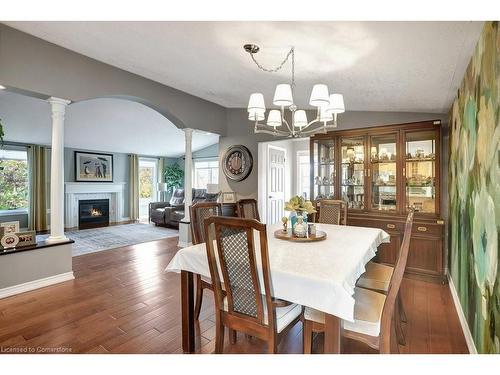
{"points": [[299, 204]]}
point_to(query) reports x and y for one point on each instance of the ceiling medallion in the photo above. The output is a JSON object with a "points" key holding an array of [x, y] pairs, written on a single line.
{"points": [[327, 106]]}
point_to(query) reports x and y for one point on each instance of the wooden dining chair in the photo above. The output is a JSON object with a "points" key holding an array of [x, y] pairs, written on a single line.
{"points": [[199, 212], [332, 211], [243, 306], [377, 277], [247, 208], [374, 313]]}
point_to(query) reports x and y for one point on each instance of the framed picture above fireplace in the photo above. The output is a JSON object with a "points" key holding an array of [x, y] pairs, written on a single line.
{"points": [[93, 167]]}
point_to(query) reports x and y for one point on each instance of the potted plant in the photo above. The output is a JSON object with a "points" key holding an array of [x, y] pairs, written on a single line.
{"points": [[298, 206], [174, 177]]}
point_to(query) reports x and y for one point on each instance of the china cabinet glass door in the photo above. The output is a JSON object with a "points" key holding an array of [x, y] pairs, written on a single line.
{"points": [[323, 179], [420, 171], [352, 153], [383, 172]]}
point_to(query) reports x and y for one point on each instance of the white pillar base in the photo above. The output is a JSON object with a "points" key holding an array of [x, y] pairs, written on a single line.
{"points": [[54, 239], [184, 234]]}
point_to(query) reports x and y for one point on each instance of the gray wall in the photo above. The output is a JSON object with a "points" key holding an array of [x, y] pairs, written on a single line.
{"points": [[36, 66], [207, 152], [22, 267]]}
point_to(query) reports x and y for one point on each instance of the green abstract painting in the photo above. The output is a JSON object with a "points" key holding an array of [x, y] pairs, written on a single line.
{"points": [[474, 192]]}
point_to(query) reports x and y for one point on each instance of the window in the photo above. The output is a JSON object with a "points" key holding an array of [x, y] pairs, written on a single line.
{"points": [[14, 181], [303, 176], [205, 172]]}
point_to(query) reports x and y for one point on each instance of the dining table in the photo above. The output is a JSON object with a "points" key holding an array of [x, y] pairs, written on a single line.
{"points": [[320, 274]]}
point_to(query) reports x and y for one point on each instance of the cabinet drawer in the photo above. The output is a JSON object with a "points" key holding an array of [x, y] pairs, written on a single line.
{"points": [[390, 226], [427, 229]]}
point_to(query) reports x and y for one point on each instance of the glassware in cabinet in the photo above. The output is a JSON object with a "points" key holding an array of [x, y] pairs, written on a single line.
{"points": [[383, 172], [352, 153], [420, 171]]}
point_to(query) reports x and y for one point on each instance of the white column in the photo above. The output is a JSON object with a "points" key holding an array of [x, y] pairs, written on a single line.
{"points": [[57, 170], [185, 224]]}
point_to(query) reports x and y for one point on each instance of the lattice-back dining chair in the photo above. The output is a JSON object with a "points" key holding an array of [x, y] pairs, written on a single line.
{"points": [[243, 305], [247, 209], [332, 211], [374, 313], [199, 212]]}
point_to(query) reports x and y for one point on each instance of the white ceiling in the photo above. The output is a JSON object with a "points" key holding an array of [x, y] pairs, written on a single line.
{"points": [[378, 66], [112, 125]]}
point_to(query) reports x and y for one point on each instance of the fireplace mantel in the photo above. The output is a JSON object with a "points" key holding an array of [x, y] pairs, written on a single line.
{"points": [[74, 191]]}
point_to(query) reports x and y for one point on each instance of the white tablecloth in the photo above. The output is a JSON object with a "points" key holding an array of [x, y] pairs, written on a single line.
{"points": [[319, 274]]}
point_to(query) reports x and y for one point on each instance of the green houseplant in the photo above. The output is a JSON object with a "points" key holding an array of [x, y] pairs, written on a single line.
{"points": [[174, 177]]}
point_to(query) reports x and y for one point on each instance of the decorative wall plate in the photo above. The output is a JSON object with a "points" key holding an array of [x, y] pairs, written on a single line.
{"points": [[9, 240], [237, 163]]}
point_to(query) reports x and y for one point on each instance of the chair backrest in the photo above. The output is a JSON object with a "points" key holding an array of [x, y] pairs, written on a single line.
{"points": [[247, 209], [332, 211], [235, 249], [394, 285], [199, 212]]}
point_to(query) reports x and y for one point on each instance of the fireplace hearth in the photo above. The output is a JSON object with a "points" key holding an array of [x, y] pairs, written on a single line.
{"points": [[93, 213]]}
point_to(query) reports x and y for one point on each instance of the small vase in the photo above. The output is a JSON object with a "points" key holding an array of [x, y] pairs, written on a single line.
{"points": [[292, 218], [300, 229]]}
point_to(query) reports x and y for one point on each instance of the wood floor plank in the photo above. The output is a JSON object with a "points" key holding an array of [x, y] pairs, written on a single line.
{"points": [[121, 301]]}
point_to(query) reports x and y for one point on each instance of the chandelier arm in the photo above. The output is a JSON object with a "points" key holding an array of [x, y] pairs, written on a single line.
{"points": [[286, 123], [272, 132], [323, 129]]}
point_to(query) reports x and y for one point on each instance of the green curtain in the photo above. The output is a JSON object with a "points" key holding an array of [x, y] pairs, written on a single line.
{"points": [[161, 177], [134, 187], [161, 167], [38, 189]]}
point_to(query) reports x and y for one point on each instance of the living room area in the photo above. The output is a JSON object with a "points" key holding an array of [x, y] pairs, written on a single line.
{"points": [[121, 187]]}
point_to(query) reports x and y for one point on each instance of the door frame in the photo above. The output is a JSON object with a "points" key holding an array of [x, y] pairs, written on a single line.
{"points": [[154, 194]]}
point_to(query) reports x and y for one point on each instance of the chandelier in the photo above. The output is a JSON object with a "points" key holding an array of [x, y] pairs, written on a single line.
{"points": [[327, 106]]}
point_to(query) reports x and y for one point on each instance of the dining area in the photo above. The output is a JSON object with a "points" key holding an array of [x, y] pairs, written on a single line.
{"points": [[267, 279]]}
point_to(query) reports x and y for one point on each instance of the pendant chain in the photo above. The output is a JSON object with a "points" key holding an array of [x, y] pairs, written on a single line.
{"points": [[290, 53]]}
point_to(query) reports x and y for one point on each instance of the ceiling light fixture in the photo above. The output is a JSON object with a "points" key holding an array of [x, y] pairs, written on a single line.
{"points": [[328, 106], [2, 87]]}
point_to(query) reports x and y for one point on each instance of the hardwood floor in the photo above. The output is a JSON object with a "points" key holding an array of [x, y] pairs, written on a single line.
{"points": [[121, 301]]}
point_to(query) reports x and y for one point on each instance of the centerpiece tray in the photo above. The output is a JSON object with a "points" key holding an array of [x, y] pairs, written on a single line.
{"points": [[289, 236]]}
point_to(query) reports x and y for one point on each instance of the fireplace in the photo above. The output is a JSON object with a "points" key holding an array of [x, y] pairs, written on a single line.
{"points": [[93, 213]]}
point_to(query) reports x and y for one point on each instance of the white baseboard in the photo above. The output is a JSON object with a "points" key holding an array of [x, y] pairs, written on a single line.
{"points": [[35, 284], [461, 316]]}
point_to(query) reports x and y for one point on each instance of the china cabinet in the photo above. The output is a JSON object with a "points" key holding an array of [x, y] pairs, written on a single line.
{"points": [[381, 172]]}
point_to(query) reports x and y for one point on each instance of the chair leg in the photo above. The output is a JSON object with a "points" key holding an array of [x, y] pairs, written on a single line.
{"points": [[272, 345], [402, 312], [399, 328], [307, 336], [199, 298], [219, 335], [232, 336]]}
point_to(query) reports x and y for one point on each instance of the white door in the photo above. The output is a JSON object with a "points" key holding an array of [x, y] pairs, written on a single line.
{"points": [[275, 184]]}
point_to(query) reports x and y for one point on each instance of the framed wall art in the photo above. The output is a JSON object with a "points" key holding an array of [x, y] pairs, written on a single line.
{"points": [[93, 167], [229, 197]]}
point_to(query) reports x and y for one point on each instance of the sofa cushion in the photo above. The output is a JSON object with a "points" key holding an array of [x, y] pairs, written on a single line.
{"points": [[177, 198]]}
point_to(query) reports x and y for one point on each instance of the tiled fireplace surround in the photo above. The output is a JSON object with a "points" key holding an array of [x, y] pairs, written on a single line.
{"points": [[75, 191]]}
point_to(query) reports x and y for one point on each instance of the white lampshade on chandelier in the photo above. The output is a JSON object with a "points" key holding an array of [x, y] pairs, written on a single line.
{"points": [[327, 106]]}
